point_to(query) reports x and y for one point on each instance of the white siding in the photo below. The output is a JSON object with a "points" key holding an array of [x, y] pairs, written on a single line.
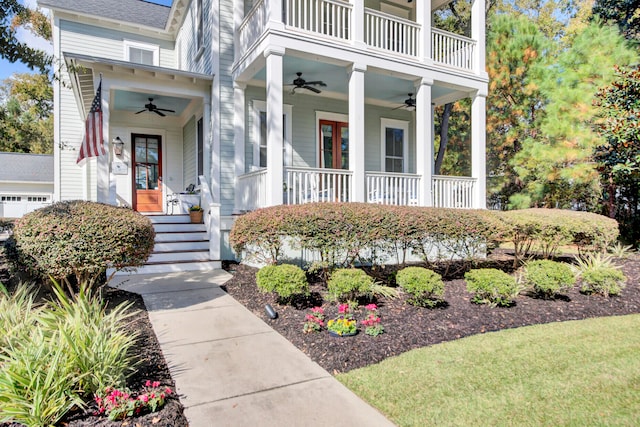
{"points": [[227, 150], [189, 152]]}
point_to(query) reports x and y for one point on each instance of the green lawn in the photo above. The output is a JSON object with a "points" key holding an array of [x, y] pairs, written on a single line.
{"points": [[579, 373]]}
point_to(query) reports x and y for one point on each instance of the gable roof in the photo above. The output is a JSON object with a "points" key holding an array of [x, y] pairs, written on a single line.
{"points": [[16, 167], [134, 11]]}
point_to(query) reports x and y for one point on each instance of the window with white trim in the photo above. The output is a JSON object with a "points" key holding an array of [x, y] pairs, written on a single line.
{"points": [[199, 26], [260, 134], [38, 199], [395, 136], [141, 53], [10, 198]]}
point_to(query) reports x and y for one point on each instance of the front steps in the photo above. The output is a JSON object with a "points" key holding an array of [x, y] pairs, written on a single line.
{"points": [[179, 246]]}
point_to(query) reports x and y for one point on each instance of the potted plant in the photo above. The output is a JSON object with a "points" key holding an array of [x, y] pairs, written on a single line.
{"points": [[344, 325], [195, 213]]}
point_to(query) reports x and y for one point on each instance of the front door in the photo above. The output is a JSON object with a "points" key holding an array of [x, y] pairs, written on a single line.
{"points": [[334, 141], [147, 173]]}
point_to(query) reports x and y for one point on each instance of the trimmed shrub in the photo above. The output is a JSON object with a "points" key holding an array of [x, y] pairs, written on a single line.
{"points": [[80, 239], [603, 281], [548, 277], [491, 286], [285, 280], [546, 230], [425, 286], [346, 284], [600, 275]]}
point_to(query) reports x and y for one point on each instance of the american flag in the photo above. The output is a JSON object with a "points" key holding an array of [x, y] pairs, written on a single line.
{"points": [[92, 143]]}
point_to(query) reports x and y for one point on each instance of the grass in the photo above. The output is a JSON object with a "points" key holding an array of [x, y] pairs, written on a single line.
{"points": [[571, 374]]}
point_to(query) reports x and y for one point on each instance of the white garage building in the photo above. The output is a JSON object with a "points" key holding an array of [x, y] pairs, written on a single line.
{"points": [[26, 183]]}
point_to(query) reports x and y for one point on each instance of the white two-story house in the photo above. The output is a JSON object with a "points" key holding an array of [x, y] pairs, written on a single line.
{"points": [[263, 102]]}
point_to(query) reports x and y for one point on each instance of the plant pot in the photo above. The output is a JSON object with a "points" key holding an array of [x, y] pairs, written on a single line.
{"points": [[196, 217], [333, 334]]}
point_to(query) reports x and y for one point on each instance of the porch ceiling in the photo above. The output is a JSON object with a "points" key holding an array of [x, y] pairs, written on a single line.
{"points": [[380, 88]]}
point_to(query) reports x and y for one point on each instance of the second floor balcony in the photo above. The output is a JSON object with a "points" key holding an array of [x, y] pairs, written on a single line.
{"points": [[348, 22]]}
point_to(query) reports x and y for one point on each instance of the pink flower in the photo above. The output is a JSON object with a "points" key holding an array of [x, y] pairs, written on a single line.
{"points": [[155, 384], [318, 310], [343, 308], [371, 307], [143, 398], [148, 383], [168, 390]]}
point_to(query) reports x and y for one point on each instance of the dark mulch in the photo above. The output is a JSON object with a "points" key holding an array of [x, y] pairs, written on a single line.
{"points": [[408, 327], [152, 367]]}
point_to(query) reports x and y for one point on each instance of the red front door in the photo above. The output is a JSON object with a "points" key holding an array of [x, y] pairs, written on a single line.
{"points": [[147, 173]]}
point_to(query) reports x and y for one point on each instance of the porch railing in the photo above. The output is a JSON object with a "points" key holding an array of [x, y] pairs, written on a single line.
{"points": [[328, 17], [453, 192], [306, 185], [452, 49], [392, 188], [388, 32], [253, 25], [252, 190]]}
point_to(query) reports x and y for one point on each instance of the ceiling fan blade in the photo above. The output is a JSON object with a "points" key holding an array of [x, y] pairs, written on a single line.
{"points": [[399, 107], [317, 82], [141, 111], [160, 113], [312, 89], [164, 109]]}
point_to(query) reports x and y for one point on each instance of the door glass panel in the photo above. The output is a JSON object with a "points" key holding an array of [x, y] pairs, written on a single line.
{"points": [[146, 168], [344, 147], [394, 150], [327, 146]]}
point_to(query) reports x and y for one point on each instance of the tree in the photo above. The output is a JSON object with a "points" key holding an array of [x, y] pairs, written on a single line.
{"points": [[14, 15], [556, 164], [618, 158], [626, 14], [26, 119]]}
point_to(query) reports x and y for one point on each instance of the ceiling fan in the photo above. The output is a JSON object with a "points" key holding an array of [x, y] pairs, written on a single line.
{"points": [[151, 107], [300, 83], [409, 103]]}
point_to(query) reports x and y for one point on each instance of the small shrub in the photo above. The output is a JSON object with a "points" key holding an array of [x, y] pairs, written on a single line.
{"points": [[548, 277], [425, 286], [346, 284], [80, 239], [491, 286], [600, 275], [314, 321], [285, 280], [372, 322]]}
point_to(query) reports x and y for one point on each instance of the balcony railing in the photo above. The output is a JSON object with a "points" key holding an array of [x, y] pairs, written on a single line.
{"points": [[382, 31], [388, 32], [398, 189], [305, 185], [452, 50], [453, 192]]}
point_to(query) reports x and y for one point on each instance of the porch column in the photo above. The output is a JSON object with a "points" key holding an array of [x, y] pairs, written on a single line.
{"points": [[424, 142], [357, 19], [102, 162], [478, 150], [275, 170], [356, 132], [423, 18], [238, 136], [478, 34], [274, 13]]}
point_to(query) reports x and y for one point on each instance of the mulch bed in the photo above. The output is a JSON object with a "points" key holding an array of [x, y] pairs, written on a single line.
{"points": [[408, 327]]}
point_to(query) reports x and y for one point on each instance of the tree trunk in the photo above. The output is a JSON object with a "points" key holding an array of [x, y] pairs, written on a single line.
{"points": [[444, 137]]}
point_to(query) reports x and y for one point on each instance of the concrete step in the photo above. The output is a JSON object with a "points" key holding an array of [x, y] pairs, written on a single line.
{"points": [[170, 219], [178, 246], [178, 256], [180, 236], [174, 227], [171, 267]]}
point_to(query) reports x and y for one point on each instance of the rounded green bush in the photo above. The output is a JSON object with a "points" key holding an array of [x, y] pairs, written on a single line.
{"points": [[426, 286], [286, 280], [346, 284], [604, 281], [548, 277], [491, 286], [81, 239]]}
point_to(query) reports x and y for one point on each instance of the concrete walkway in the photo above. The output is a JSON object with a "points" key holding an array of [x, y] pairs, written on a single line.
{"points": [[231, 368]]}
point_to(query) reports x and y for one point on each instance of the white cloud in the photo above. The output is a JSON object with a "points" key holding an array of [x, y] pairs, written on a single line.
{"points": [[29, 38]]}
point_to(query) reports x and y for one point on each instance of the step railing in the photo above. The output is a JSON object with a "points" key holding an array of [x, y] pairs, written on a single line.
{"points": [[399, 189], [388, 32], [327, 17], [306, 185], [453, 191]]}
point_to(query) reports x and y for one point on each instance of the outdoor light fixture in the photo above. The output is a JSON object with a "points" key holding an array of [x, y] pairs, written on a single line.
{"points": [[118, 146]]}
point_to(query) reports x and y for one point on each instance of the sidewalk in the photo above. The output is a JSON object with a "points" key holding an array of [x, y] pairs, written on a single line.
{"points": [[231, 368]]}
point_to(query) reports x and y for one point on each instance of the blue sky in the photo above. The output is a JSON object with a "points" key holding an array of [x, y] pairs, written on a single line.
{"points": [[7, 68]]}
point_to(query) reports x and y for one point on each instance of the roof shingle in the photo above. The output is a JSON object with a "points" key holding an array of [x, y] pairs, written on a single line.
{"points": [[26, 167]]}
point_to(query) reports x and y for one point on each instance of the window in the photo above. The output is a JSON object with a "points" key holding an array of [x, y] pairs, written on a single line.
{"points": [[394, 134], [199, 27], [141, 53], [10, 198], [260, 131], [200, 136], [37, 199]]}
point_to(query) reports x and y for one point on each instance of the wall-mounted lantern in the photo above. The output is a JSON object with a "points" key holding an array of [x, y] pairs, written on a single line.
{"points": [[118, 146]]}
